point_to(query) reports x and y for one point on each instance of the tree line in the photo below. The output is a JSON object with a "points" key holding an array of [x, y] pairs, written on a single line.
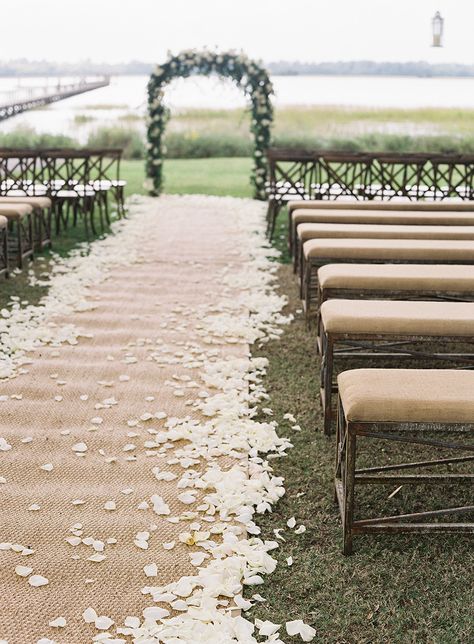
{"points": [[24, 67]]}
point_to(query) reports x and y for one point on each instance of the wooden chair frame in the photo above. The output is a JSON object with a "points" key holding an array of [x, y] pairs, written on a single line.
{"points": [[347, 476]]}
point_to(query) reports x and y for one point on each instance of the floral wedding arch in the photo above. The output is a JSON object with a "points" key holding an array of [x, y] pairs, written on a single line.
{"points": [[248, 75]]}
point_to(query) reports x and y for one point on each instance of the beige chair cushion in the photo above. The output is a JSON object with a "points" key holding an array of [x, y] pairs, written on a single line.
{"points": [[3, 222], [390, 249], [15, 211], [416, 277], [395, 317], [408, 395], [393, 204], [36, 202], [380, 231], [397, 217]]}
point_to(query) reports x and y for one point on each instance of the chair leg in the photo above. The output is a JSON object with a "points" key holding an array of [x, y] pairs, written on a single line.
{"points": [[19, 244], [306, 274], [31, 234], [38, 228], [105, 198], [327, 361], [57, 216], [349, 482], [47, 217], [89, 207], [337, 466], [5, 251]]}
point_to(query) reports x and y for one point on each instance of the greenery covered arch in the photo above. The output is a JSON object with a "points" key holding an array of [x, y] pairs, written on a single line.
{"points": [[249, 75]]}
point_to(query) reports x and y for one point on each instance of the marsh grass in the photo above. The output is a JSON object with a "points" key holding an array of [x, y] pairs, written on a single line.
{"points": [[82, 119], [204, 133]]}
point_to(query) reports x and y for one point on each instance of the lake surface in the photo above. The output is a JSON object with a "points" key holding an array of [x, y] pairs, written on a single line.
{"points": [[127, 94]]}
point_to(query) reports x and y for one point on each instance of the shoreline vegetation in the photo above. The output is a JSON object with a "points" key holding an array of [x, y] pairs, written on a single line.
{"points": [[207, 133], [23, 67]]}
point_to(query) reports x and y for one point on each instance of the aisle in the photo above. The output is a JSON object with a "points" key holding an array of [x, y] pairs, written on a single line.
{"points": [[113, 444]]}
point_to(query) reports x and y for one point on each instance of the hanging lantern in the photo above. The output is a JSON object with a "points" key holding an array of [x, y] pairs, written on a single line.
{"points": [[437, 24]]}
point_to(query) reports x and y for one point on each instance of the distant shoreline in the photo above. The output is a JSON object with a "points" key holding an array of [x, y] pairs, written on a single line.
{"points": [[414, 69]]}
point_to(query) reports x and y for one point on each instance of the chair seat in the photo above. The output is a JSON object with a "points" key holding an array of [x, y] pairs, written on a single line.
{"points": [[36, 202], [394, 217], [34, 190], [390, 249], [428, 277], [379, 231], [407, 395], [398, 317], [3, 222], [393, 204], [15, 211]]}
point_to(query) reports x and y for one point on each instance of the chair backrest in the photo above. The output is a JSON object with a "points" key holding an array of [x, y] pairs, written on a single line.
{"points": [[19, 170], [296, 174], [47, 171]]}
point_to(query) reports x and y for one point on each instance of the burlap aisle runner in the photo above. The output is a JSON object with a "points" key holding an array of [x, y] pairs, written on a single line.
{"points": [[85, 449]]}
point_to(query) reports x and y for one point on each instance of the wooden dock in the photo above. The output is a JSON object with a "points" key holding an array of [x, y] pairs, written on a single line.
{"points": [[22, 100]]}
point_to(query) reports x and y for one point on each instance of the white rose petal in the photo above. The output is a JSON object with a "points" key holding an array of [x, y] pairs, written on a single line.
{"points": [[132, 622], [268, 628], [4, 446], [59, 622], [298, 627], [103, 623], [155, 613], [37, 580], [89, 615], [159, 505], [151, 570], [169, 545], [79, 447]]}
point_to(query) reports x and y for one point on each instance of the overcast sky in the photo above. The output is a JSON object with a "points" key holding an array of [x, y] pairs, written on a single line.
{"points": [[309, 30]]}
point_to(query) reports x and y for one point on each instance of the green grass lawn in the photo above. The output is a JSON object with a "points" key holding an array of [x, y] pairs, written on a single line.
{"points": [[195, 176]]}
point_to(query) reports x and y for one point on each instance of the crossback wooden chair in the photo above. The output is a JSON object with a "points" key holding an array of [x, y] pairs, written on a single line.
{"points": [[324, 175], [104, 177]]}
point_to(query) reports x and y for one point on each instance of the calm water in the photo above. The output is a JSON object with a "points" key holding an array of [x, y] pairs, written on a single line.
{"points": [[128, 95]]}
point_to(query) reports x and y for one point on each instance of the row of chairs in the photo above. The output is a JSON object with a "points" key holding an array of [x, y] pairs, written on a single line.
{"points": [[384, 282], [45, 191]]}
